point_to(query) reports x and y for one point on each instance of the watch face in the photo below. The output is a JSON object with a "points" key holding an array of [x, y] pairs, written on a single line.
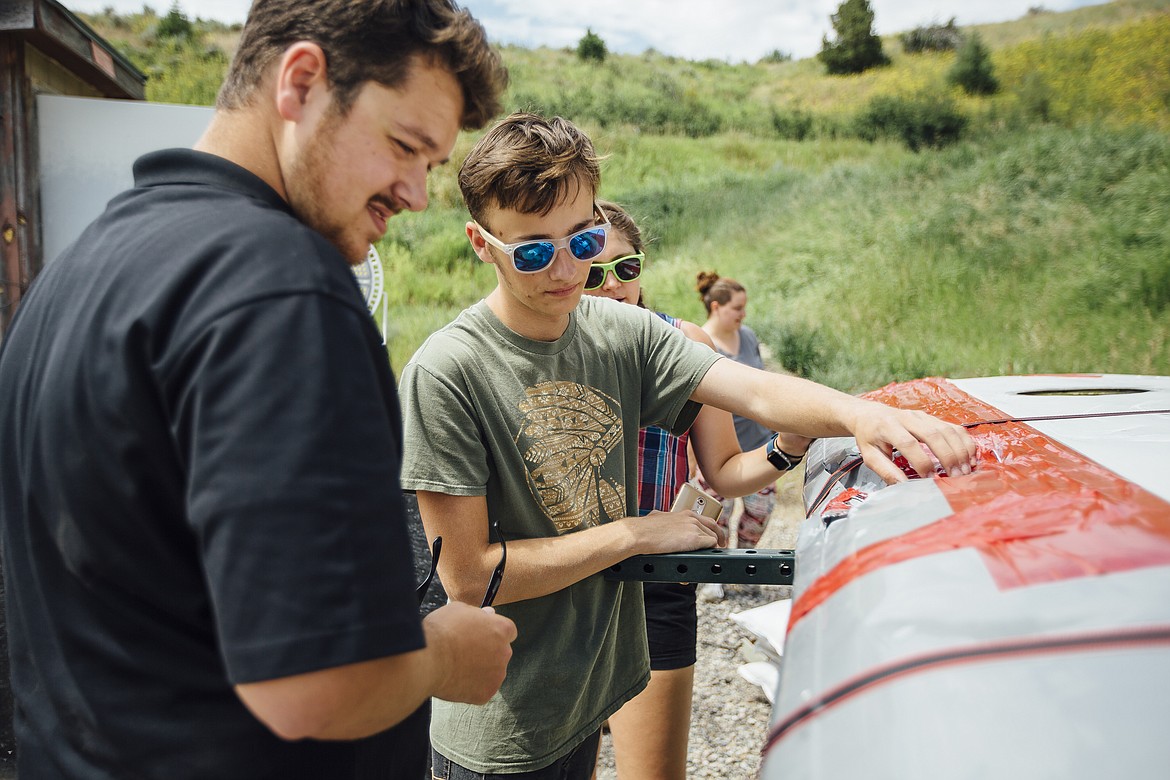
{"points": [[777, 458]]}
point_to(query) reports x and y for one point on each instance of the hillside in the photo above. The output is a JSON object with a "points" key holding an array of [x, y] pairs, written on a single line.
{"points": [[1109, 62], [1037, 240]]}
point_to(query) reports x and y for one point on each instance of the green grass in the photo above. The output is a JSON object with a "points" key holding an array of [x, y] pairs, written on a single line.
{"points": [[1032, 26], [1040, 58], [1027, 254], [1038, 243], [1046, 250]]}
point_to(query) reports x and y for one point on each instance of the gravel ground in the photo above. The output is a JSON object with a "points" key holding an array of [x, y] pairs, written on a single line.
{"points": [[729, 720], [730, 716]]}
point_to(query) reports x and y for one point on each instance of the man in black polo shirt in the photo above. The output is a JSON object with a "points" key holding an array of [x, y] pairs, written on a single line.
{"points": [[207, 569]]}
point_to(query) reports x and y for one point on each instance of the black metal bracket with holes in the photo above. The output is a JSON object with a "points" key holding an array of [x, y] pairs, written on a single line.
{"points": [[762, 567]]}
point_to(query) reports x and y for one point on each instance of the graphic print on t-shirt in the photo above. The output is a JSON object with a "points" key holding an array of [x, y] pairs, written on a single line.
{"points": [[568, 432]]}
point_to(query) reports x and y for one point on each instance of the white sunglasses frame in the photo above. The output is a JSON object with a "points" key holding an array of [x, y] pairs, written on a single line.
{"points": [[558, 243]]}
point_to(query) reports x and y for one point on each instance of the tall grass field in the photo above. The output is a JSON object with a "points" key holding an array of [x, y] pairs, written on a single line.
{"points": [[1034, 239]]}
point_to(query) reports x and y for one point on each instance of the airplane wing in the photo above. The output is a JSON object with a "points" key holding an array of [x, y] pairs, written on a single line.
{"points": [[1011, 623]]}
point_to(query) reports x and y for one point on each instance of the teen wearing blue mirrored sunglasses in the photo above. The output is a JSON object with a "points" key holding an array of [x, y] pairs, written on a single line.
{"points": [[529, 257]]}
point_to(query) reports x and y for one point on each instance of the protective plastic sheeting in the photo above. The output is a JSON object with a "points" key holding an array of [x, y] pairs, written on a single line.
{"points": [[1014, 622]]}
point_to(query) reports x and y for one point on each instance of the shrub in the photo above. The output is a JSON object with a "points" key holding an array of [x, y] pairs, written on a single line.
{"points": [[591, 47], [1154, 288], [857, 48], [776, 56], [795, 125], [1035, 98], [921, 121], [911, 361], [937, 37], [972, 69], [801, 351], [1119, 75]]}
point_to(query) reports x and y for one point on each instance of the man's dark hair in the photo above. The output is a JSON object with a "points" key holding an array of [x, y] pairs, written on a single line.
{"points": [[370, 40]]}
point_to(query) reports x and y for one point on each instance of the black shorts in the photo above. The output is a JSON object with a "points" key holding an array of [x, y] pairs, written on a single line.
{"points": [[672, 624]]}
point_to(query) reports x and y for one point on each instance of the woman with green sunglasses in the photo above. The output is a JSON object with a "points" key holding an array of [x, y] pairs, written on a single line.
{"points": [[650, 732]]}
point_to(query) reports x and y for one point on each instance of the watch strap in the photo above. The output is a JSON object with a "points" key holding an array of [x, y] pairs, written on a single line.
{"points": [[780, 459]]}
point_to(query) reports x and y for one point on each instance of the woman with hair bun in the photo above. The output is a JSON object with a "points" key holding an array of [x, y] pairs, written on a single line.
{"points": [[726, 303]]}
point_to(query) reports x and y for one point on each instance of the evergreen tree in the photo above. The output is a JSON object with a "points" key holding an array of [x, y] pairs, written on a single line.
{"points": [[972, 69], [591, 47], [175, 24], [857, 48]]}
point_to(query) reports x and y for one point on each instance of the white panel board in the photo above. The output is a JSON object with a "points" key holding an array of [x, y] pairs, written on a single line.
{"points": [[87, 149]]}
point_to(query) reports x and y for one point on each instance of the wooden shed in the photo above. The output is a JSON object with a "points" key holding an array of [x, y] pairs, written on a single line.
{"points": [[44, 49]]}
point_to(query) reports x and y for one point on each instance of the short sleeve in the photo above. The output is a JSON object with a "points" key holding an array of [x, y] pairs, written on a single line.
{"points": [[749, 352], [443, 451], [677, 365], [286, 414]]}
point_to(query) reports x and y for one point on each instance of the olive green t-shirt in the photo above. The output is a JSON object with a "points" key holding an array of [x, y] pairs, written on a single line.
{"points": [[548, 433]]}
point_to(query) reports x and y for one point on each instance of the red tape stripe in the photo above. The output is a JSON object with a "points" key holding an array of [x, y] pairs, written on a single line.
{"points": [[1039, 512]]}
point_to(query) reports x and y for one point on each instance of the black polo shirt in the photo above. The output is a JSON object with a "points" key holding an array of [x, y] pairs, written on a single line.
{"points": [[199, 458]]}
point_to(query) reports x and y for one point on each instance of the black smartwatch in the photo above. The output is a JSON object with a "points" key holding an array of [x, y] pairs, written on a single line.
{"points": [[779, 458]]}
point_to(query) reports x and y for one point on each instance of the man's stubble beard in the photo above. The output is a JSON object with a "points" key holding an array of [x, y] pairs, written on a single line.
{"points": [[306, 188]]}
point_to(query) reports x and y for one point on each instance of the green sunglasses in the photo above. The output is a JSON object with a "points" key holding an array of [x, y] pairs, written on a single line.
{"points": [[625, 269]]}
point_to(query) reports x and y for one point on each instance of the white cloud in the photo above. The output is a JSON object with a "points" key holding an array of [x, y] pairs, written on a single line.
{"points": [[733, 30], [698, 29]]}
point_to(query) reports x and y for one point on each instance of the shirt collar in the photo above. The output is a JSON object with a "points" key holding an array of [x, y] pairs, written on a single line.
{"points": [[187, 166]]}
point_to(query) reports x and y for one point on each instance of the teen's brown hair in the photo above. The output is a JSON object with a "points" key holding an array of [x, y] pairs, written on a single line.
{"points": [[529, 164]]}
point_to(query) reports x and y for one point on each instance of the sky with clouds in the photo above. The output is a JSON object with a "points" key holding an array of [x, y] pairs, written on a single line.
{"points": [[732, 30]]}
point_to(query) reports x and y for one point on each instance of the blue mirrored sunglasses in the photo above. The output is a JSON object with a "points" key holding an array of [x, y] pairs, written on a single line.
{"points": [[528, 257]]}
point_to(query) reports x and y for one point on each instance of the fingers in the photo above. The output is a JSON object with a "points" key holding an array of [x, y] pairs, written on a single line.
{"points": [[951, 444], [920, 438], [668, 532], [494, 648], [502, 624], [709, 527], [475, 646], [712, 526], [879, 461]]}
